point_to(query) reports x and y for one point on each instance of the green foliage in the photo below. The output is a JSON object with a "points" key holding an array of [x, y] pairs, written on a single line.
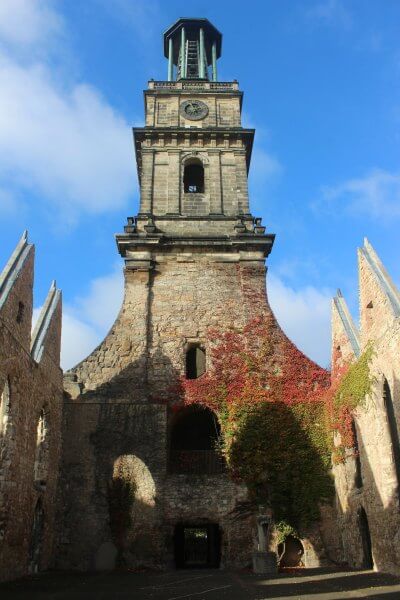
{"points": [[283, 453], [283, 530], [356, 383]]}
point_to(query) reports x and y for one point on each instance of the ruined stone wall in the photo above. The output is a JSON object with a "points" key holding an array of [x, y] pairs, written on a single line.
{"points": [[378, 493], [30, 387], [118, 409]]}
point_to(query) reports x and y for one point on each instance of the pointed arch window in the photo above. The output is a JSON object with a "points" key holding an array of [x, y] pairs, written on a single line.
{"points": [[392, 424], [41, 466]]}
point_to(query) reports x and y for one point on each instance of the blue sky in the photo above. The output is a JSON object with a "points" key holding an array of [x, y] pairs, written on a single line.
{"points": [[322, 88]]}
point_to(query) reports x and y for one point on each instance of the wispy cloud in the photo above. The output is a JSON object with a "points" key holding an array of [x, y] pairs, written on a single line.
{"points": [[376, 196], [330, 12], [61, 140]]}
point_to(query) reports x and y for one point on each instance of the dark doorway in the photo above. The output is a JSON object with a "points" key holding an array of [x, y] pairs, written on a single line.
{"points": [[195, 362], [291, 552], [193, 178], [37, 538], [368, 561], [197, 546]]}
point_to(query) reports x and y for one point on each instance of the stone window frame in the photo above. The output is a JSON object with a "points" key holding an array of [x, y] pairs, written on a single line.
{"points": [[42, 449], [198, 156]]}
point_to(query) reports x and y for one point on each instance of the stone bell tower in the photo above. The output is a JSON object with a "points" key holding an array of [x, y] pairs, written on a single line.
{"points": [[194, 258], [193, 157]]}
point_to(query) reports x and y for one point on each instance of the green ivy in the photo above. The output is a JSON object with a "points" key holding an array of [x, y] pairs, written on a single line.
{"points": [[356, 383], [283, 454]]}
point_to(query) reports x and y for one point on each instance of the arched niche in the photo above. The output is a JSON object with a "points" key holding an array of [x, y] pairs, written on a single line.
{"points": [[193, 442], [132, 515]]}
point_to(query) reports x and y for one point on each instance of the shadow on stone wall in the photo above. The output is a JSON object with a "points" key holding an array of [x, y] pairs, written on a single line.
{"points": [[117, 431], [372, 511]]}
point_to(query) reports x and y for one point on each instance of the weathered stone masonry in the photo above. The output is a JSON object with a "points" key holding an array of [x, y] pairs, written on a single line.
{"points": [[368, 495], [194, 258], [30, 424]]}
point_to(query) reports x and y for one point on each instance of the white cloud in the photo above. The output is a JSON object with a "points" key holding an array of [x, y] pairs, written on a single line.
{"points": [[78, 339], [28, 22], [87, 319], [377, 195], [60, 140], [304, 315]]}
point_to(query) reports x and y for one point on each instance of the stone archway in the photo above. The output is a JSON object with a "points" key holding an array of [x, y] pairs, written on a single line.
{"points": [[291, 552]]}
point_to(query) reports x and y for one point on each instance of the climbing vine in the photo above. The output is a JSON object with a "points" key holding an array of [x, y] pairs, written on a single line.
{"points": [[268, 398], [349, 390]]}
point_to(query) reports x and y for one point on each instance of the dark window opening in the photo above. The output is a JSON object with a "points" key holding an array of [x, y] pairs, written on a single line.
{"points": [[197, 546], [370, 305], [20, 312], [291, 552], [194, 440], [193, 178], [358, 482], [368, 561], [195, 362], [393, 431]]}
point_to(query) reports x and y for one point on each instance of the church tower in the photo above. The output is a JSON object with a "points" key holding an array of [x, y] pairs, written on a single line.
{"points": [[194, 258]]}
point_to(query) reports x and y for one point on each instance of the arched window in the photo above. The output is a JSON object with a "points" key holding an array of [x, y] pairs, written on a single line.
{"points": [[42, 451], [194, 438], [4, 409], [195, 362], [394, 433], [193, 177], [358, 482]]}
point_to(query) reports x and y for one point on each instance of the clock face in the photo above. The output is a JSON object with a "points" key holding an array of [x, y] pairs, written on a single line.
{"points": [[194, 110]]}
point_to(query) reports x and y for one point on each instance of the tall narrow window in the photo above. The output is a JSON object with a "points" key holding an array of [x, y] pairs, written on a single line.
{"points": [[4, 409], [357, 475], [394, 433], [193, 177], [42, 451], [195, 362]]}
